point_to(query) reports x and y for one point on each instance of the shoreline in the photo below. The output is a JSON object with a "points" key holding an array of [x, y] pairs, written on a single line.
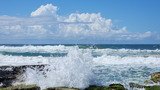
{"points": [[8, 76], [133, 86]]}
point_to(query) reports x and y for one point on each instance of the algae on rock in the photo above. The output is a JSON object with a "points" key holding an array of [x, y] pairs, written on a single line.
{"points": [[155, 77], [21, 87], [61, 88], [110, 87], [155, 87]]}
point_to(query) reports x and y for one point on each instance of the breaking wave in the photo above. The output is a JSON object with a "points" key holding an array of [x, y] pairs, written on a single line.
{"points": [[72, 66]]}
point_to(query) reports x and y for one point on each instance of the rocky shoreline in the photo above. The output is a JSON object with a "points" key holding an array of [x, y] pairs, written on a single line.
{"points": [[7, 76], [92, 87]]}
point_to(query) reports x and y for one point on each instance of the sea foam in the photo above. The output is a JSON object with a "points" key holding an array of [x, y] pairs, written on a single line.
{"points": [[73, 70], [83, 67]]}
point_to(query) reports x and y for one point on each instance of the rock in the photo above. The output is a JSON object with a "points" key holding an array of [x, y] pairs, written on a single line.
{"points": [[155, 87], [22, 87], [135, 85], [155, 77], [94, 87], [110, 87], [7, 77], [116, 86], [62, 88], [8, 74], [138, 86], [148, 82]]}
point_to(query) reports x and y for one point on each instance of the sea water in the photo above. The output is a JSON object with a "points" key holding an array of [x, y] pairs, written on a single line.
{"points": [[82, 65]]}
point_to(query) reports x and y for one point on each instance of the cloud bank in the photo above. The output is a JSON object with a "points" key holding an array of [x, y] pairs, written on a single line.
{"points": [[45, 24]]}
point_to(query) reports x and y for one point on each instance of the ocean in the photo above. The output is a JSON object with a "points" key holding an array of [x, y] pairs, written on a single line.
{"points": [[83, 65]]}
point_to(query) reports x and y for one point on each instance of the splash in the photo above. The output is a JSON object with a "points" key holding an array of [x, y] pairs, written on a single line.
{"points": [[82, 67], [74, 70]]}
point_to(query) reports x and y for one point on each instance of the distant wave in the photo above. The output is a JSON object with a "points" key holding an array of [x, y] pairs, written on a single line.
{"points": [[64, 49]]}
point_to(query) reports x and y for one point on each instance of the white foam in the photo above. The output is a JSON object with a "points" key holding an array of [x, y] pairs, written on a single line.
{"points": [[62, 48], [20, 60], [31, 48], [128, 60], [74, 70], [79, 68]]}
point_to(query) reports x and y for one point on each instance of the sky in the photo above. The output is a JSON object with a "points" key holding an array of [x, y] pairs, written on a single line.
{"points": [[79, 22]]}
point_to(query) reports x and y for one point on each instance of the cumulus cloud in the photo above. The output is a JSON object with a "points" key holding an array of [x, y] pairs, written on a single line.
{"points": [[99, 27], [45, 23], [45, 10]]}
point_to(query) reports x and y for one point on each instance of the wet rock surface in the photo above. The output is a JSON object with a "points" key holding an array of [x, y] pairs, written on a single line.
{"points": [[92, 87], [21, 87], [135, 85], [8, 74], [61, 88], [110, 87]]}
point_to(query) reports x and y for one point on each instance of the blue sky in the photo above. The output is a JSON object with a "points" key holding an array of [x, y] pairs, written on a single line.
{"points": [[138, 17]]}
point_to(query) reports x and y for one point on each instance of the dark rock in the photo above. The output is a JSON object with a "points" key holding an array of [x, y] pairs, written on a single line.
{"points": [[116, 87], [8, 74], [6, 77], [135, 85], [110, 87], [62, 88], [94, 87]]}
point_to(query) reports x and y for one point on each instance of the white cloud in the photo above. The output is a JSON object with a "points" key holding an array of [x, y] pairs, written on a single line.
{"points": [[45, 10], [45, 23], [98, 27]]}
